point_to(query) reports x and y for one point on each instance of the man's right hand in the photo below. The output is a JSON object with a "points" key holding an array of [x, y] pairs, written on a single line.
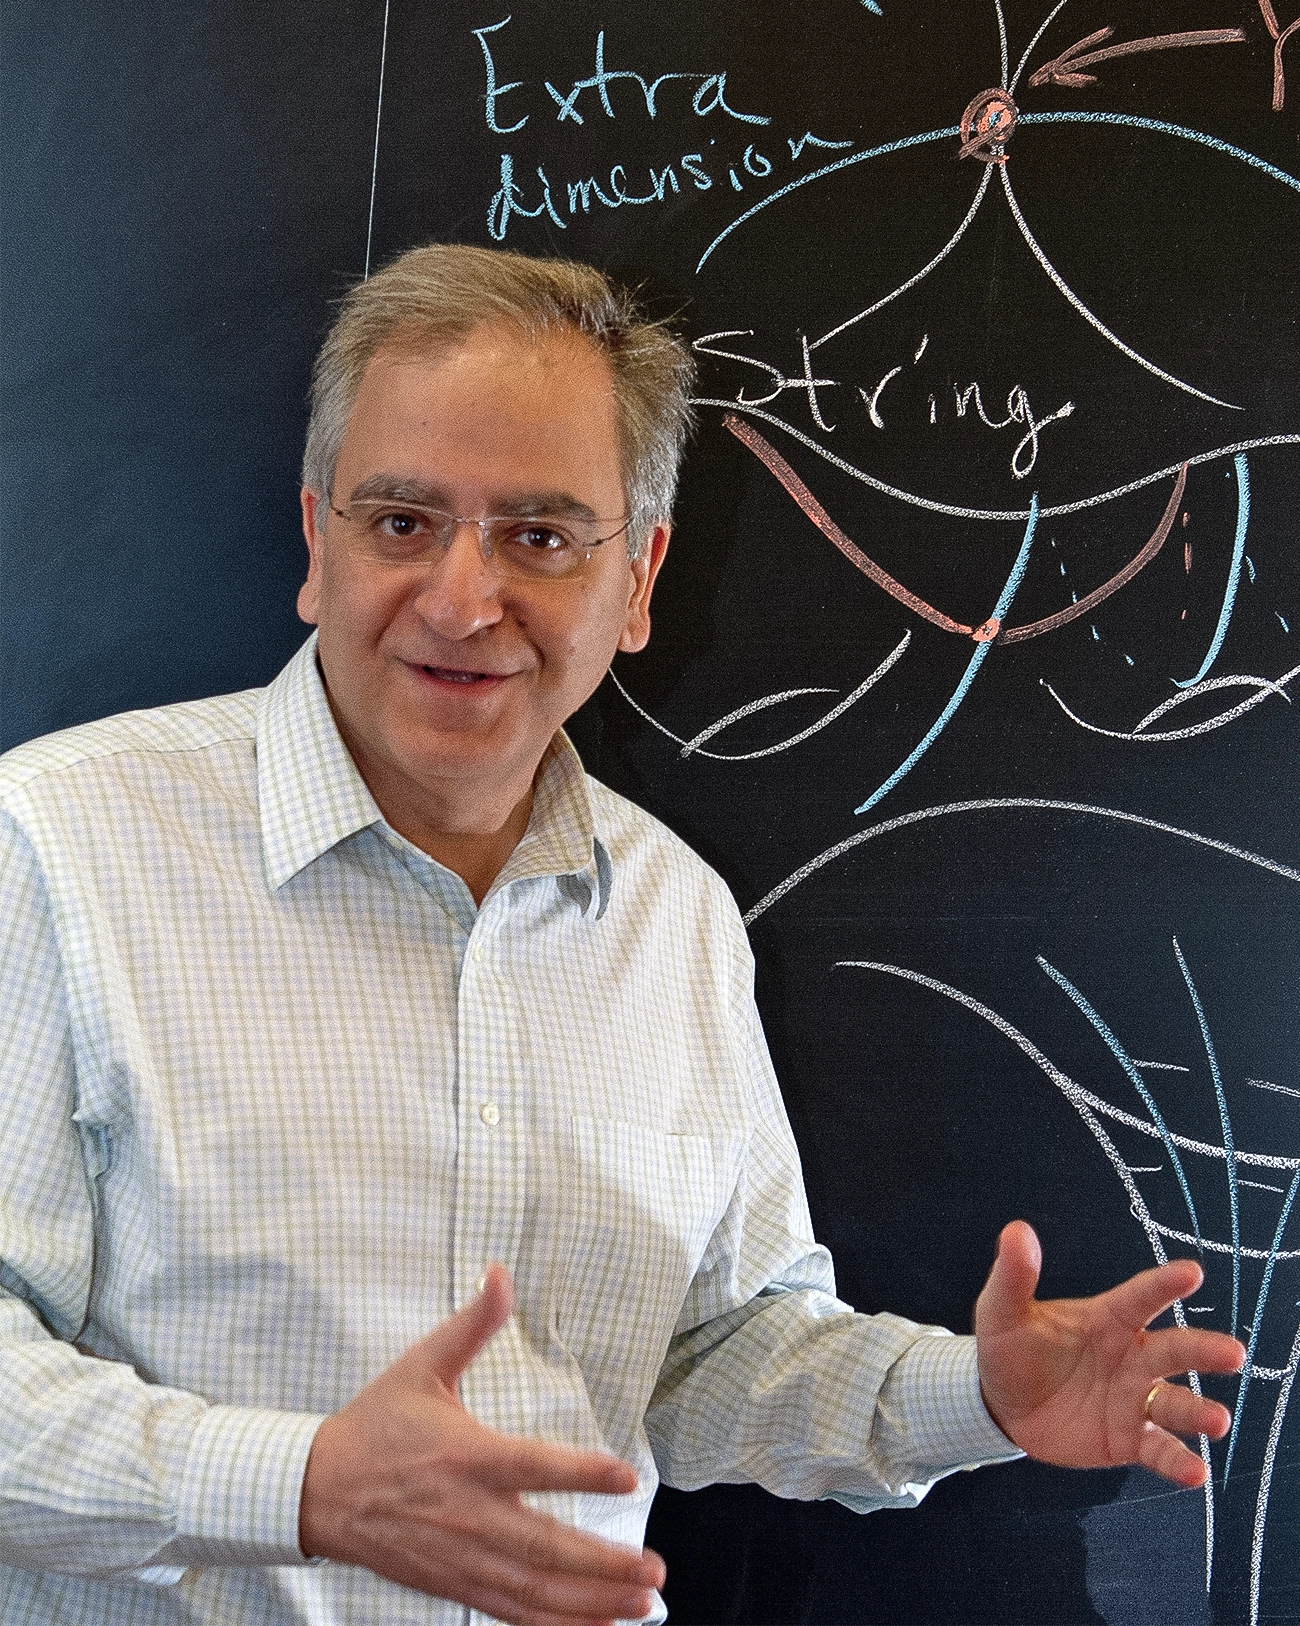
{"points": [[404, 1482]]}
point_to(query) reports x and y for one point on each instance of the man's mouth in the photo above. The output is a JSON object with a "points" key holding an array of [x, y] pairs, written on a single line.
{"points": [[451, 674]]}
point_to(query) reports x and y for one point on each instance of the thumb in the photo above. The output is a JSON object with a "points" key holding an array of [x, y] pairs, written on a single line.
{"points": [[1009, 1291], [453, 1344]]}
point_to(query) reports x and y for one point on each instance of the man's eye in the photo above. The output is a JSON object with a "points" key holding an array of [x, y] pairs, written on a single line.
{"points": [[399, 525], [538, 538]]}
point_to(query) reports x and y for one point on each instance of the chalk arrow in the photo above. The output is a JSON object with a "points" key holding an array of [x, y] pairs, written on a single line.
{"points": [[1066, 68]]}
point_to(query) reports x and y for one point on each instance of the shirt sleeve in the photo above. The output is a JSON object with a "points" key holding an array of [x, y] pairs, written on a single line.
{"points": [[101, 1473], [771, 1378]]}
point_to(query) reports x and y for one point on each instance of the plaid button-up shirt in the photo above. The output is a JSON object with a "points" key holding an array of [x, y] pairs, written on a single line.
{"points": [[273, 1092]]}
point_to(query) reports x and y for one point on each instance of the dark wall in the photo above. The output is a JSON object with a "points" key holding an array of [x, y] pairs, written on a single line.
{"points": [[1051, 969]]}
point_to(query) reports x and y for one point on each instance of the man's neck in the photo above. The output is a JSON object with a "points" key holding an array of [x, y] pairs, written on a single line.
{"points": [[477, 856]]}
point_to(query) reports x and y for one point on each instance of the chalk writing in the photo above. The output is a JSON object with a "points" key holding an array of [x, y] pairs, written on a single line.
{"points": [[612, 189], [709, 96], [494, 90], [613, 93], [1019, 411], [707, 346], [616, 187]]}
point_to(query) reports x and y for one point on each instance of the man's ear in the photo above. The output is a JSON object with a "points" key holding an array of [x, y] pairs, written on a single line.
{"points": [[309, 592], [645, 567]]}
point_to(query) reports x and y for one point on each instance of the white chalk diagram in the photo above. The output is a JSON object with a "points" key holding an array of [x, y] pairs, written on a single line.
{"points": [[1261, 1185]]}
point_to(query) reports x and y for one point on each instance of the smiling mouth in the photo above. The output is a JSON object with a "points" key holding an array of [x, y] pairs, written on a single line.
{"points": [[450, 674]]}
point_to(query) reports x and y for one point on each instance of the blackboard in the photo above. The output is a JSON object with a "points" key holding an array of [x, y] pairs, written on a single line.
{"points": [[974, 661]]}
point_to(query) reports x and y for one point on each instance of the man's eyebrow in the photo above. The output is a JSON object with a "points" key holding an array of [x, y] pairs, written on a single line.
{"points": [[553, 504], [385, 487], [545, 505]]}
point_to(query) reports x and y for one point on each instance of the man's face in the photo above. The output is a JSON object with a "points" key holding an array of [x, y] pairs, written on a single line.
{"points": [[448, 679]]}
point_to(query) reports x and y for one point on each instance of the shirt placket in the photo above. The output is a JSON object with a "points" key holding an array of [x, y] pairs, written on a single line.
{"points": [[492, 1171]]}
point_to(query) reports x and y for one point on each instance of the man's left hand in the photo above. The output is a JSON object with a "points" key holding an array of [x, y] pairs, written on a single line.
{"points": [[1078, 1382]]}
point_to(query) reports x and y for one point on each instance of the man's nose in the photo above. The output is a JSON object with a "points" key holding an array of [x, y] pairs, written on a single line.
{"points": [[460, 592]]}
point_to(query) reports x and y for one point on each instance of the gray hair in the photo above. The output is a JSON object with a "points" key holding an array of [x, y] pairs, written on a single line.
{"points": [[431, 297]]}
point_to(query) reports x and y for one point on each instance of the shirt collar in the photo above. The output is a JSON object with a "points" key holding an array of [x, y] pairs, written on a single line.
{"points": [[561, 837], [311, 796], [309, 792]]}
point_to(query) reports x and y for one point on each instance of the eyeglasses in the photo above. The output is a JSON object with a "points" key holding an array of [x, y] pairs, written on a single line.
{"points": [[521, 547]]}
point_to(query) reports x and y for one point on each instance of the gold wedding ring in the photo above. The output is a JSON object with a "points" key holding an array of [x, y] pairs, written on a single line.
{"points": [[1156, 1387]]}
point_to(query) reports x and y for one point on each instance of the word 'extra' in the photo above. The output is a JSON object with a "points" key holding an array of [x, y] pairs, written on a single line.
{"points": [[709, 96]]}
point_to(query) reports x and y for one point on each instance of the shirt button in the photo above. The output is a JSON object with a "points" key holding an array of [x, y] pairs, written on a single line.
{"points": [[481, 1283], [477, 953], [490, 1113]]}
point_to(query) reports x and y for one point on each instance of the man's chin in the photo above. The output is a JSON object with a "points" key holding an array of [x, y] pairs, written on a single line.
{"points": [[486, 759]]}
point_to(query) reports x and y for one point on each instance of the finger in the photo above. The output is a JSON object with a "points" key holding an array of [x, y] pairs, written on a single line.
{"points": [[1009, 1291], [533, 1465], [503, 1592], [542, 1568], [450, 1347], [1176, 1409], [1141, 1298], [510, 1592], [542, 1543], [554, 1592], [1187, 1349], [1170, 1458]]}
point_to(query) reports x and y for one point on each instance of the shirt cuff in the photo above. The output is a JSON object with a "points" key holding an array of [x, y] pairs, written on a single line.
{"points": [[242, 1486], [947, 1422]]}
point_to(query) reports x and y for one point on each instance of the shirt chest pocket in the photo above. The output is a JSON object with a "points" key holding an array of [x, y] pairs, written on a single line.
{"points": [[640, 1206]]}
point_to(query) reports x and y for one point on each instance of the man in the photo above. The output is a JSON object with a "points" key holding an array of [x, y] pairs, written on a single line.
{"points": [[321, 999]]}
